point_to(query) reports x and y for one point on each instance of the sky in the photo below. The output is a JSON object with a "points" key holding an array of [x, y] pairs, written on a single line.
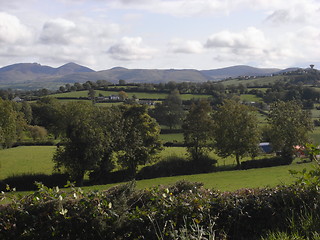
{"points": [[161, 34]]}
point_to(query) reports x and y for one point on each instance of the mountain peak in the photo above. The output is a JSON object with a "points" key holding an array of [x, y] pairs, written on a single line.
{"points": [[72, 67]]}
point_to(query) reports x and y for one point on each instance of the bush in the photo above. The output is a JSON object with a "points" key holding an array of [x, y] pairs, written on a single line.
{"points": [[26, 182], [164, 212], [265, 162], [174, 165]]}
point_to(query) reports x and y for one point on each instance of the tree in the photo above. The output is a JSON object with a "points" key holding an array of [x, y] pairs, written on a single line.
{"points": [[170, 112], [138, 137], [37, 132], [11, 123], [236, 130], [289, 126], [123, 95], [83, 143], [47, 112], [27, 111], [197, 130], [92, 94]]}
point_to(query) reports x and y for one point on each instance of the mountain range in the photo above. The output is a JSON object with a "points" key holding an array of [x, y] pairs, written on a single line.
{"points": [[35, 75]]}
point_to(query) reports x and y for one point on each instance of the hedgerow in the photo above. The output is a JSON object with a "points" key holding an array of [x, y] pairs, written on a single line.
{"points": [[163, 212]]}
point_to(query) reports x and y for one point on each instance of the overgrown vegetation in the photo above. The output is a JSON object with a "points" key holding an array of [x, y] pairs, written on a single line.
{"points": [[164, 212]]}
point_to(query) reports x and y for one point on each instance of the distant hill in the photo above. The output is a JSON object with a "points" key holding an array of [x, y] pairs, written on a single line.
{"points": [[34, 75], [240, 70]]}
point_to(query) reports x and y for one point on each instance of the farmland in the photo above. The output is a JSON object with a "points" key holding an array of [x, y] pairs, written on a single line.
{"points": [[139, 95], [37, 159]]}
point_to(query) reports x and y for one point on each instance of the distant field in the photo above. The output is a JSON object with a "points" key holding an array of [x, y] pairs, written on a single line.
{"points": [[141, 95], [255, 81], [172, 137]]}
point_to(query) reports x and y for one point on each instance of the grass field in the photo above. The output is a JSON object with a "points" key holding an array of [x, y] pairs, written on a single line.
{"points": [[172, 137], [140, 95], [254, 81], [227, 180], [31, 159], [37, 159]]}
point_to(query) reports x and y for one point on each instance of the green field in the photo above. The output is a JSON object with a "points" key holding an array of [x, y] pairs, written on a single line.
{"points": [[254, 81], [31, 159], [227, 180], [37, 159], [140, 95], [172, 137]]}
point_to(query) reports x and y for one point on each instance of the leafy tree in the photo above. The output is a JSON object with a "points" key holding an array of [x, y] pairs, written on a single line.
{"points": [[92, 94], [47, 112], [170, 112], [83, 143], [109, 120], [138, 137], [197, 130], [289, 126], [236, 130], [123, 95], [37, 132], [27, 111], [11, 123]]}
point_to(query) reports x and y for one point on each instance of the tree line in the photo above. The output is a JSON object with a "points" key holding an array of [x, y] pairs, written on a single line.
{"points": [[100, 139]]}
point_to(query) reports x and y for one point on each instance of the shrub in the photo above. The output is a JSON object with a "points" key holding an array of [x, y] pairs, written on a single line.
{"points": [[174, 165], [265, 162], [26, 182], [165, 212]]}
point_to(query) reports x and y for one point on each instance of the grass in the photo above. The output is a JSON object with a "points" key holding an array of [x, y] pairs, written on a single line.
{"points": [[26, 159], [140, 95], [315, 135], [227, 180], [172, 137], [255, 81], [37, 159]]}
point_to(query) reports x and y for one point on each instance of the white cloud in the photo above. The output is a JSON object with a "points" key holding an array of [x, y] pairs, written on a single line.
{"points": [[58, 31], [12, 31], [129, 49], [298, 13], [250, 38], [185, 46]]}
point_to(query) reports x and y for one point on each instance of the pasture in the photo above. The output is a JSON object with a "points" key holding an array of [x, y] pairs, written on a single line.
{"points": [[37, 159], [140, 95], [253, 81], [26, 159]]}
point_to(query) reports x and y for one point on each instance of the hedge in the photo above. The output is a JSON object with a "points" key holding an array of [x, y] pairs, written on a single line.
{"points": [[158, 213]]}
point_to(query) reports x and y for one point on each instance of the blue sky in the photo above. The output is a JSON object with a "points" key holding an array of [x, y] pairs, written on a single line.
{"points": [[199, 34]]}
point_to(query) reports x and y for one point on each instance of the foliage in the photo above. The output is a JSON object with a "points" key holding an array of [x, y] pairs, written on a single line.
{"points": [[37, 132], [197, 130], [174, 165], [289, 126], [137, 138], [180, 210], [265, 162], [25, 182], [47, 112], [11, 124], [236, 130], [83, 144], [170, 112]]}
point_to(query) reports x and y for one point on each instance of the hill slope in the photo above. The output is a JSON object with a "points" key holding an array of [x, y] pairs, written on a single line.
{"points": [[34, 75]]}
